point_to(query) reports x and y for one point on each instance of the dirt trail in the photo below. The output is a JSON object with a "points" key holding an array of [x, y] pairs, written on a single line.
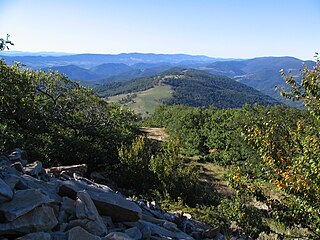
{"points": [[158, 134]]}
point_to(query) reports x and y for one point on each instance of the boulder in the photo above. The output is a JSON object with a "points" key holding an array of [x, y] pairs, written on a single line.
{"points": [[48, 188], [134, 233], [118, 236], [85, 209], [40, 219], [6, 193], [58, 236], [78, 233], [144, 229], [33, 169], [23, 201], [10, 179], [162, 232], [212, 232], [170, 226], [68, 205], [107, 202], [18, 166], [18, 156], [35, 236]]}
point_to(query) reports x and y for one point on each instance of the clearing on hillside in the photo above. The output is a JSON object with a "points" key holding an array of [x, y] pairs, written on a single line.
{"points": [[144, 102]]}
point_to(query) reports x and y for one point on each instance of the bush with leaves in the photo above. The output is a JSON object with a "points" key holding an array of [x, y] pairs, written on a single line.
{"points": [[288, 142], [155, 169], [57, 121]]}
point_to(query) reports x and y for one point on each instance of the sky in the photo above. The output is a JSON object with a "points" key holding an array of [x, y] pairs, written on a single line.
{"points": [[215, 28]]}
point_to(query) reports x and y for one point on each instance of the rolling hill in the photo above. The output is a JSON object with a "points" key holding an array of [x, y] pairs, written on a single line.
{"points": [[187, 87], [262, 74], [96, 69]]}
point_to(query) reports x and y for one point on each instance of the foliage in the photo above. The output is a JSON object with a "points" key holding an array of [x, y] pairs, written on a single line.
{"points": [[57, 121], [5, 42], [192, 88], [156, 167], [308, 90], [238, 139], [289, 146]]}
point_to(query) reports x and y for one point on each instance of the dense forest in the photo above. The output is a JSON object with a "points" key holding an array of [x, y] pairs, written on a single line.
{"points": [[192, 88], [271, 153]]}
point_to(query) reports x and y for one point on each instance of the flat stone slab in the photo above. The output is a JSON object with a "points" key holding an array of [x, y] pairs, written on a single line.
{"points": [[41, 219], [23, 201], [35, 236], [107, 202], [49, 188], [78, 233], [6, 193]]}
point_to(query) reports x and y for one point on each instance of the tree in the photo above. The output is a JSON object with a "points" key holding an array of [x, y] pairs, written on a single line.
{"points": [[308, 90], [5, 42], [290, 149], [57, 121]]}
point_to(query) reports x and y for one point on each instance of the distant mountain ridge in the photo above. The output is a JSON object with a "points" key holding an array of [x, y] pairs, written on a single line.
{"points": [[91, 60], [261, 73]]}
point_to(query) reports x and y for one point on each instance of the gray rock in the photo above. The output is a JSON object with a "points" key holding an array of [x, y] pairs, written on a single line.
{"points": [[4, 160], [144, 229], [85, 209], [134, 233], [221, 237], [33, 169], [196, 235], [6, 193], [23, 201], [18, 166], [118, 236], [152, 219], [78, 233], [212, 232], [48, 188], [11, 179], [107, 202], [68, 206], [58, 236], [17, 156], [170, 226], [162, 232], [40, 219], [107, 221], [35, 236]]}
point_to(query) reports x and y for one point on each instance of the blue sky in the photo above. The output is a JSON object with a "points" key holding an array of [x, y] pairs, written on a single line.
{"points": [[217, 28]]}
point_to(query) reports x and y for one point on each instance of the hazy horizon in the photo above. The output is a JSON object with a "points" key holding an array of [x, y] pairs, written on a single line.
{"points": [[219, 29], [57, 54]]}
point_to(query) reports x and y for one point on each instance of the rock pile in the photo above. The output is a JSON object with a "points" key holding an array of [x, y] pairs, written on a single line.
{"points": [[58, 203]]}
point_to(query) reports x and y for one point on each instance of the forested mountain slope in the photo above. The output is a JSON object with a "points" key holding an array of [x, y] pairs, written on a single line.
{"points": [[192, 88]]}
